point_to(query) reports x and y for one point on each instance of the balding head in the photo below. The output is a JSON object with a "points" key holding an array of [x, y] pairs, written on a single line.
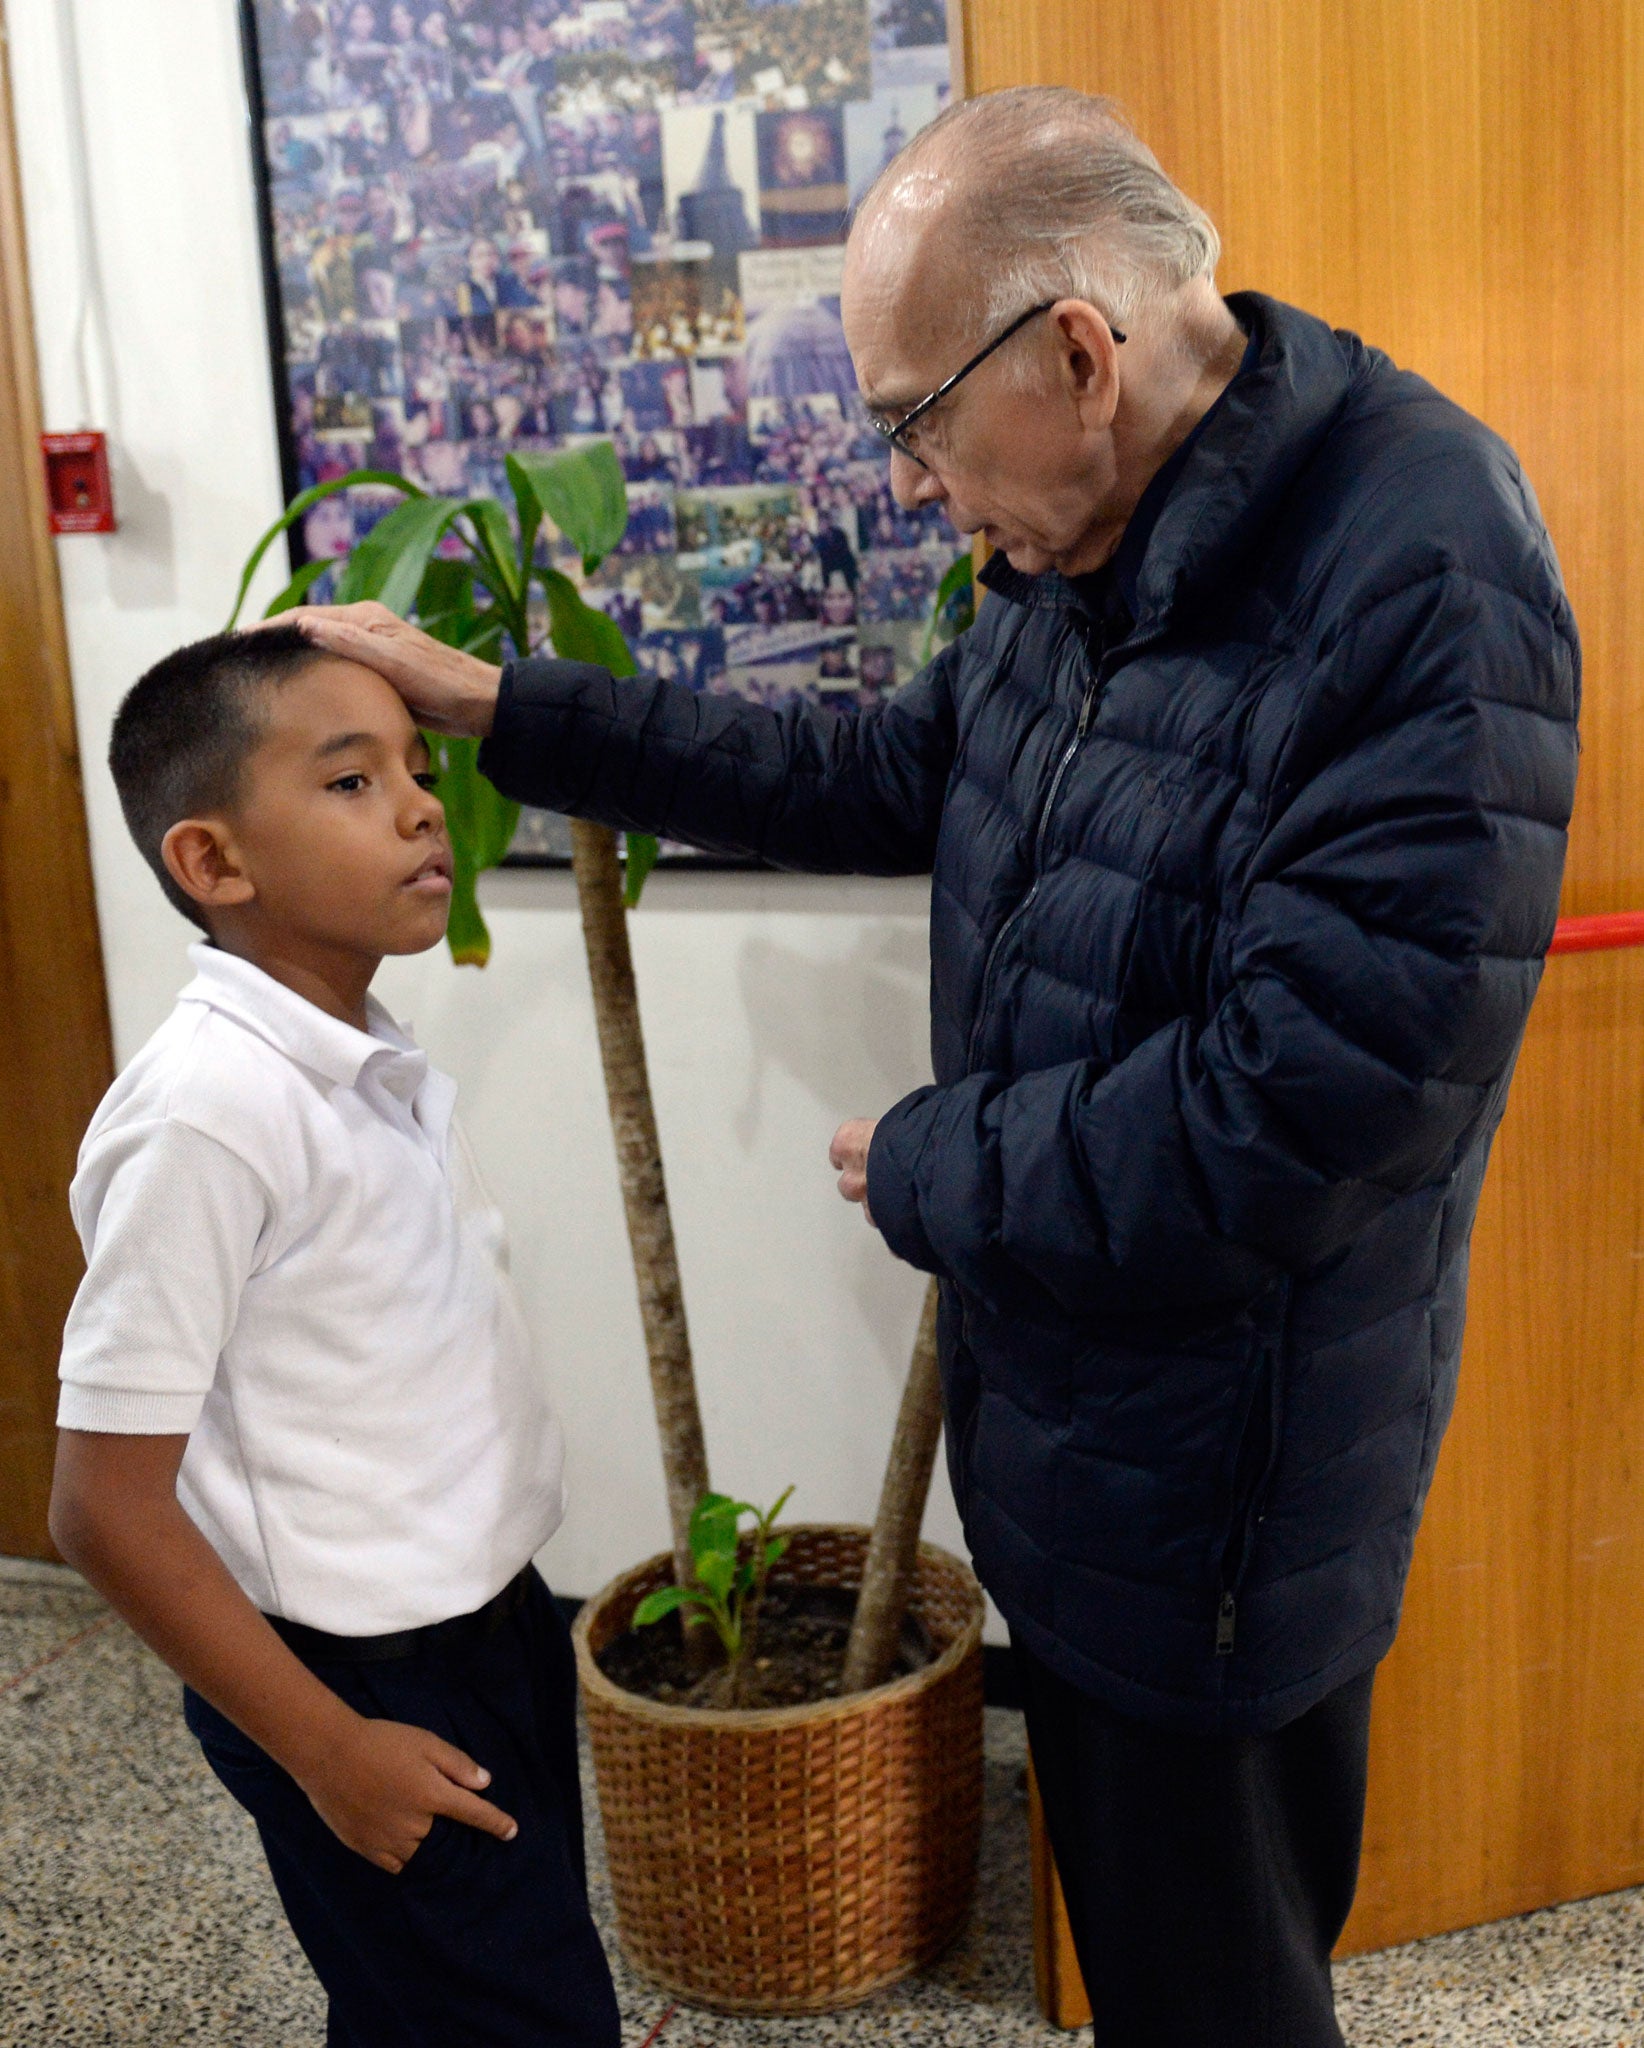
{"points": [[1034, 201], [1035, 193]]}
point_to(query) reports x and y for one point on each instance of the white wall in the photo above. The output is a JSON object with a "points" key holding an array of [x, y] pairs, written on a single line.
{"points": [[776, 1006]]}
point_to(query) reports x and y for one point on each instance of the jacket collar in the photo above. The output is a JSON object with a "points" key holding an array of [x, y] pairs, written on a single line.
{"points": [[1265, 429]]}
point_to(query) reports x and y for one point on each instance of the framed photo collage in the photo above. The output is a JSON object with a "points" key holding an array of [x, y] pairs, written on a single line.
{"points": [[504, 223]]}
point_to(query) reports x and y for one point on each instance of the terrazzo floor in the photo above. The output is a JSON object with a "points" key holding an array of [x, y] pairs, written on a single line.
{"points": [[135, 1911]]}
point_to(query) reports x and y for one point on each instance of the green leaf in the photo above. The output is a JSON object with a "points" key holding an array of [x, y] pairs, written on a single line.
{"points": [[305, 502], [501, 573], [713, 1539], [642, 852], [954, 608], [775, 1549], [466, 932], [583, 492], [447, 586], [527, 509], [666, 1600], [476, 811], [580, 633], [390, 562], [717, 1571], [776, 1508], [474, 632], [300, 585], [481, 822], [486, 637], [714, 1523]]}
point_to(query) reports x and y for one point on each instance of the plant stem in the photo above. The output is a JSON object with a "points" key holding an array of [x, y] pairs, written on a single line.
{"points": [[748, 1621], [644, 1192], [893, 1549]]}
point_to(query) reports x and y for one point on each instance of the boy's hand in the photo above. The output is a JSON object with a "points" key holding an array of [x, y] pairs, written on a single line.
{"points": [[376, 1784], [382, 1783], [444, 689]]}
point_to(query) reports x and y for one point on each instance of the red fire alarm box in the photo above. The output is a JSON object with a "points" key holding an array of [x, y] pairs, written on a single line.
{"points": [[77, 486]]}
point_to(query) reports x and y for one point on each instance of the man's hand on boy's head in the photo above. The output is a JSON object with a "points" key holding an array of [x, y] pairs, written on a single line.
{"points": [[382, 1783], [444, 689]]}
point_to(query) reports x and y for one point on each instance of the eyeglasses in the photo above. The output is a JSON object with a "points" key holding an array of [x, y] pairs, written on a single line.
{"points": [[900, 433]]}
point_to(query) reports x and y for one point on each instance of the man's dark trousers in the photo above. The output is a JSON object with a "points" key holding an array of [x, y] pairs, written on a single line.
{"points": [[476, 1943], [1207, 1876]]}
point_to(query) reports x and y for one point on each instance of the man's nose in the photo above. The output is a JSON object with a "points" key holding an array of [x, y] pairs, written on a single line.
{"points": [[912, 485]]}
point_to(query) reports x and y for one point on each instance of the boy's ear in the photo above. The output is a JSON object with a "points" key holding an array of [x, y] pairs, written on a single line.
{"points": [[202, 859]]}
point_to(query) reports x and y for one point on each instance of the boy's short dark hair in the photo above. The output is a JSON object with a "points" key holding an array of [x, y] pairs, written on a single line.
{"points": [[185, 730]]}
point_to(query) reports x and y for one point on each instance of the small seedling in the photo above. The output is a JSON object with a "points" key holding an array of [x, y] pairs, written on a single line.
{"points": [[729, 1568]]}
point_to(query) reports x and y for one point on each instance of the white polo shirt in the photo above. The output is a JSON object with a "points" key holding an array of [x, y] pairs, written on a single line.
{"points": [[291, 1259]]}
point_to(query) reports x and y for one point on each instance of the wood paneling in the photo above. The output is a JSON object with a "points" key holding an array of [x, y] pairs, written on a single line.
{"points": [[1507, 1765], [55, 1058], [1463, 184]]}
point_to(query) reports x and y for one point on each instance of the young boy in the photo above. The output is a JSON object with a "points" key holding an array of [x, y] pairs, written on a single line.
{"points": [[303, 1448]]}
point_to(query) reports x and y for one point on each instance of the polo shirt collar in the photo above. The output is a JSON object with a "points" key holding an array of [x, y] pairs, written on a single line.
{"points": [[301, 1029]]}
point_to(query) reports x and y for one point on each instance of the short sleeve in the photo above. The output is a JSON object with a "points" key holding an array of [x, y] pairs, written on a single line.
{"points": [[171, 1222]]}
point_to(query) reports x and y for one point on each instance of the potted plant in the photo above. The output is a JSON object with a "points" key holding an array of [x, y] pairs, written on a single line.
{"points": [[763, 1858], [796, 1858]]}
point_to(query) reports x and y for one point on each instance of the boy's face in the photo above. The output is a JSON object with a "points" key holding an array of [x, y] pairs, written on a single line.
{"points": [[336, 827]]}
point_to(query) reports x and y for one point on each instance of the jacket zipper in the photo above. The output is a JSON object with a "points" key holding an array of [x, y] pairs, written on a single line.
{"points": [[1226, 1617], [1101, 671], [1086, 712]]}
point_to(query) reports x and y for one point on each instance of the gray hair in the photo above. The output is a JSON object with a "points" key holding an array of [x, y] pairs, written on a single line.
{"points": [[1059, 197]]}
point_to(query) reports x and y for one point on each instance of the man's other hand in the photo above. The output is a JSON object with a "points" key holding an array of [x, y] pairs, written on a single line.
{"points": [[848, 1155], [444, 689], [380, 1787]]}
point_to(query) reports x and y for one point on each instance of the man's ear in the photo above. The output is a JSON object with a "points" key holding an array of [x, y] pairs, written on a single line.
{"points": [[1090, 361], [203, 860]]}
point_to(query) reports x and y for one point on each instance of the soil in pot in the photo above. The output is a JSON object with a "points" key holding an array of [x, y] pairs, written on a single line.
{"points": [[799, 1654]]}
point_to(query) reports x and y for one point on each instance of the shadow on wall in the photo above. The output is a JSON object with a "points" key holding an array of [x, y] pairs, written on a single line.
{"points": [[854, 1032], [142, 559]]}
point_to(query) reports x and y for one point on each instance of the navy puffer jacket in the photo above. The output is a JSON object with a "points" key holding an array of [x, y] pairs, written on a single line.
{"points": [[1236, 920]]}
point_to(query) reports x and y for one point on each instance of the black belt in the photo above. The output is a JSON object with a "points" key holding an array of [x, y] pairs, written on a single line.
{"points": [[405, 1642]]}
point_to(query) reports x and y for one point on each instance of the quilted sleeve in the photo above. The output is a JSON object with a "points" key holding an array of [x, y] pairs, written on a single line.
{"points": [[802, 788], [1377, 971]]}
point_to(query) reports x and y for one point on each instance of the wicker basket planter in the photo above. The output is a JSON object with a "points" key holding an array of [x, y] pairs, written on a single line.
{"points": [[793, 1859]]}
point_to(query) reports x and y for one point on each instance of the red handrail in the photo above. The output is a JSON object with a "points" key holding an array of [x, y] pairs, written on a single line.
{"points": [[1598, 934]]}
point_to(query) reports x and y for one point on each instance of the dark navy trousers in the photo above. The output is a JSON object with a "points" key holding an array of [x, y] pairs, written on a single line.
{"points": [[1207, 1877], [476, 1941]]}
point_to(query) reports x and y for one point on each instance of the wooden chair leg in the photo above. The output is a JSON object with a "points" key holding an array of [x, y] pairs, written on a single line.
{"points": [[1056, 1978]]}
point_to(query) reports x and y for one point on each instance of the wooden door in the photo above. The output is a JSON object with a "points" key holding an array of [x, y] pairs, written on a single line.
{"points": [[1462, 182], [55, 1059]]}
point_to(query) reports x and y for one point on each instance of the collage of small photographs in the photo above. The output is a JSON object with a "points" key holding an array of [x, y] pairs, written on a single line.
{"points": [[528, 223]]}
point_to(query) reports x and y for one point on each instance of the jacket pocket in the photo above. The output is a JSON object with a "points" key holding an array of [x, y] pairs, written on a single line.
{"points": [[1255, 1455]]}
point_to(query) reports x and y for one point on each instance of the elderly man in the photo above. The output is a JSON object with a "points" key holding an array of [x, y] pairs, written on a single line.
{"points": [[1245, 801]]}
